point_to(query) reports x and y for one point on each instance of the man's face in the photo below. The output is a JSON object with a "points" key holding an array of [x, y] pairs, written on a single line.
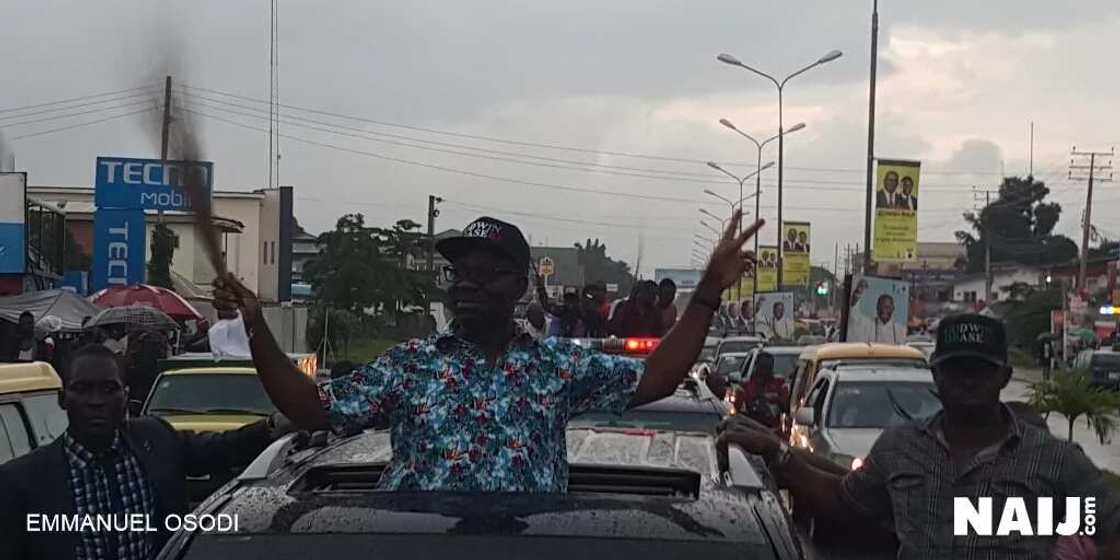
{"points": [[646, 296], [745, 309], [666, 294], [907, 186], [890, 182], [969, 383], [26, 324], [791, 235], [485, 289], [779, 310], [802, 238], [95, 399], [885, 309], [765, 367]]}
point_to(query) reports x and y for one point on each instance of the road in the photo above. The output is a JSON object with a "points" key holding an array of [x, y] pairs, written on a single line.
{"points": [[1105, 456]]}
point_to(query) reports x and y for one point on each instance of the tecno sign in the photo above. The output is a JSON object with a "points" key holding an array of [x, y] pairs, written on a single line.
{"points": [[150, 184], [976, 517]]}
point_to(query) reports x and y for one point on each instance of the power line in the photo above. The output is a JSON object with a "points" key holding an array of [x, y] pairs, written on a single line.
{"points": [[550, 146], [79, 98], [76, 106], [87, 123], [78, 114]]}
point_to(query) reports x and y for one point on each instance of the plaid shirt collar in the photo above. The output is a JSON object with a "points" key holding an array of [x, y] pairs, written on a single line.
{"points": [[932, 427], [82, 456]]}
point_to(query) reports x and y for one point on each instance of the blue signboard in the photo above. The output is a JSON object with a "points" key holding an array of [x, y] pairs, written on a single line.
{"points": [[13, 253], [151, 184], [118, 247]]}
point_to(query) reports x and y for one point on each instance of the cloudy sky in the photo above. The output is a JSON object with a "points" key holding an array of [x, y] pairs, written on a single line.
{"points": [[580, 118]]}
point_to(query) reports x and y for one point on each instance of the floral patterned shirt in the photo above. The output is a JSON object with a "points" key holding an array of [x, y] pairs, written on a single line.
{"points": [[461, 423]]}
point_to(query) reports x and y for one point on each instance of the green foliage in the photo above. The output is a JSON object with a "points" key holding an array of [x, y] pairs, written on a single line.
{"points": [[343, 327], [1021, 226], [362, 268], [598, 267], [1071, 395], [1027, 319], [163, 251]]}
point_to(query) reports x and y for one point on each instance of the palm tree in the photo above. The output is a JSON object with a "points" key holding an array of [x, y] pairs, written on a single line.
{"points": [[1073, 396]]}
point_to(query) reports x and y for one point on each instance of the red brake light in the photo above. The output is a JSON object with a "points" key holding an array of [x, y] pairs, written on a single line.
{"points": [[640, 345]]}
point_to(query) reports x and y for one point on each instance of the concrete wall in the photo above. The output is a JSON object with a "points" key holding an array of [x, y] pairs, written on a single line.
{"points": [[268, 246], [242, 249], [288, 324], [1001, 281]]}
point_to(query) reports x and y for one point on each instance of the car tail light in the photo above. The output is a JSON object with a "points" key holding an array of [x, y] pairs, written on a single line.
{"points": [[640, 345]]}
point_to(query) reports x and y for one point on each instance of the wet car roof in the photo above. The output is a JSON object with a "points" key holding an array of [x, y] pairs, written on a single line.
{"points": [[277, 504]]}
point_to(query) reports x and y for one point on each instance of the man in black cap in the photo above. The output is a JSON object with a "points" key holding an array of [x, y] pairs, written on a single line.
{"points": [[484, 406], [975, 447]]}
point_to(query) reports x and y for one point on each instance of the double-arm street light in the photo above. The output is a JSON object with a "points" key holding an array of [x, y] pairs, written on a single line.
{"points": [[829, 57], [722, 221], [758, 177], [739, 180]]}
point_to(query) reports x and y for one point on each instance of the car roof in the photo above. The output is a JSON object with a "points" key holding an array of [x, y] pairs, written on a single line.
{"points": [[27, 377], [734, 355], [682, 401], [782, 350], [864, 373], [842, 350], [743, 339], [212, 371], [284, 502]]}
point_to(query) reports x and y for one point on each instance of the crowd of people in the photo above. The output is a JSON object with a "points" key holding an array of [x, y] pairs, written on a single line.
{"points": [[648, 312]]}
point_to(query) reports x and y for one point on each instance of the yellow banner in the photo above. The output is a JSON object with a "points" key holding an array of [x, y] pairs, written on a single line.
{"points": [[767, 267], [795, 254], [896, 211], [744, 291]]}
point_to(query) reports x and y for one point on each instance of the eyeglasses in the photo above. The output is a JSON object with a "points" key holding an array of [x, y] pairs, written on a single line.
{"points": [[454, 274]]}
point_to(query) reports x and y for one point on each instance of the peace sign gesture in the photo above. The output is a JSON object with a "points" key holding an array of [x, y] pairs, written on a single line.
{"points": [[729, 261]]}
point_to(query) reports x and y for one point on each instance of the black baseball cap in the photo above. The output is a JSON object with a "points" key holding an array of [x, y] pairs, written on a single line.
{"points": [[488, 234], [971, 336]]}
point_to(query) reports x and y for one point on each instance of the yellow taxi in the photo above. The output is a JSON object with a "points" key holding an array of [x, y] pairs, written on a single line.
{"points": [[30, 416], [209, 399], [815, 358]]}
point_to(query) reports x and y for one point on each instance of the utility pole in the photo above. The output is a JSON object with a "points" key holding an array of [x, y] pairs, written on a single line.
{"points": [[166, 118], [1030, 166], [870, 194], [432, 215], [987, 223], [1092, 169]]}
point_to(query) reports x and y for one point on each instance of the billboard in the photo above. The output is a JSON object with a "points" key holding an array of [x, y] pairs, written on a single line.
{"points": [[118, 247], [896, 211], [774, 315], [684, 278], [878, 310], [151, 184], [13, 231], [795, 254], [767, 267]]}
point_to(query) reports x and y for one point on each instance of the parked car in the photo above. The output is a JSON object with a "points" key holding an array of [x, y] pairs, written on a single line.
{"points": [[29, 413], [1102, 365], [740, 344]]}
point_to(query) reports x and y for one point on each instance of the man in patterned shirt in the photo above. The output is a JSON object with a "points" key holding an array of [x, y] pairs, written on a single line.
{"points": [[975, 447], [105, 464], [484, 407]]}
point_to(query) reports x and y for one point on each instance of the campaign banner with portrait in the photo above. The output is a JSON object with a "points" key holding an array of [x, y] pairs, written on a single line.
{"points": [[878, 310], [767, 267], [795, 254], [896, 211], [774, 315]]}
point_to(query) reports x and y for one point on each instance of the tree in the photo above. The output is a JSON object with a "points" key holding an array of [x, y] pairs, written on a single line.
{"points": [[1021, 226], [598, 267], [362, 268], [163, 251], [1071, 395]]}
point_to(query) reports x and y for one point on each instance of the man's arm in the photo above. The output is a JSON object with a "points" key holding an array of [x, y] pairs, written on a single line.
{"points": [[292, 391], [219, 452], [667, 365]]}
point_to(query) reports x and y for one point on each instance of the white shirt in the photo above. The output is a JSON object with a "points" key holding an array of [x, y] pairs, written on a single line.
{"points": [[886, 333], [228, 338]]}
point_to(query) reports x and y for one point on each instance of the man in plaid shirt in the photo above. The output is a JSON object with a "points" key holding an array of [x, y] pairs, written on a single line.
{"points": [[975, 447], [106, 465]]}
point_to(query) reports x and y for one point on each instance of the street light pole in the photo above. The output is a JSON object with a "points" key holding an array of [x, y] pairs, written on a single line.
{"points": [[758, 176], [870, 187], [828, 57], [757, 173]]}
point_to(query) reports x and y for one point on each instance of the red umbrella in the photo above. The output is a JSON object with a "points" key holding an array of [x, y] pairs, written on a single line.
{"points": [[163, 299]]}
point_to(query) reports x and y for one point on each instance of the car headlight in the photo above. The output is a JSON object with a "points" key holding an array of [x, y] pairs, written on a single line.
{"points": [[857, 463]]}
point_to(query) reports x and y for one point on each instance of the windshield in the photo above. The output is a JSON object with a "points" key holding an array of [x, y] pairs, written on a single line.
{"points": [[872, 404], [737, 346], [648, 419], [213, 393], [1106, 361], [730, 364], [785, 365]]}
